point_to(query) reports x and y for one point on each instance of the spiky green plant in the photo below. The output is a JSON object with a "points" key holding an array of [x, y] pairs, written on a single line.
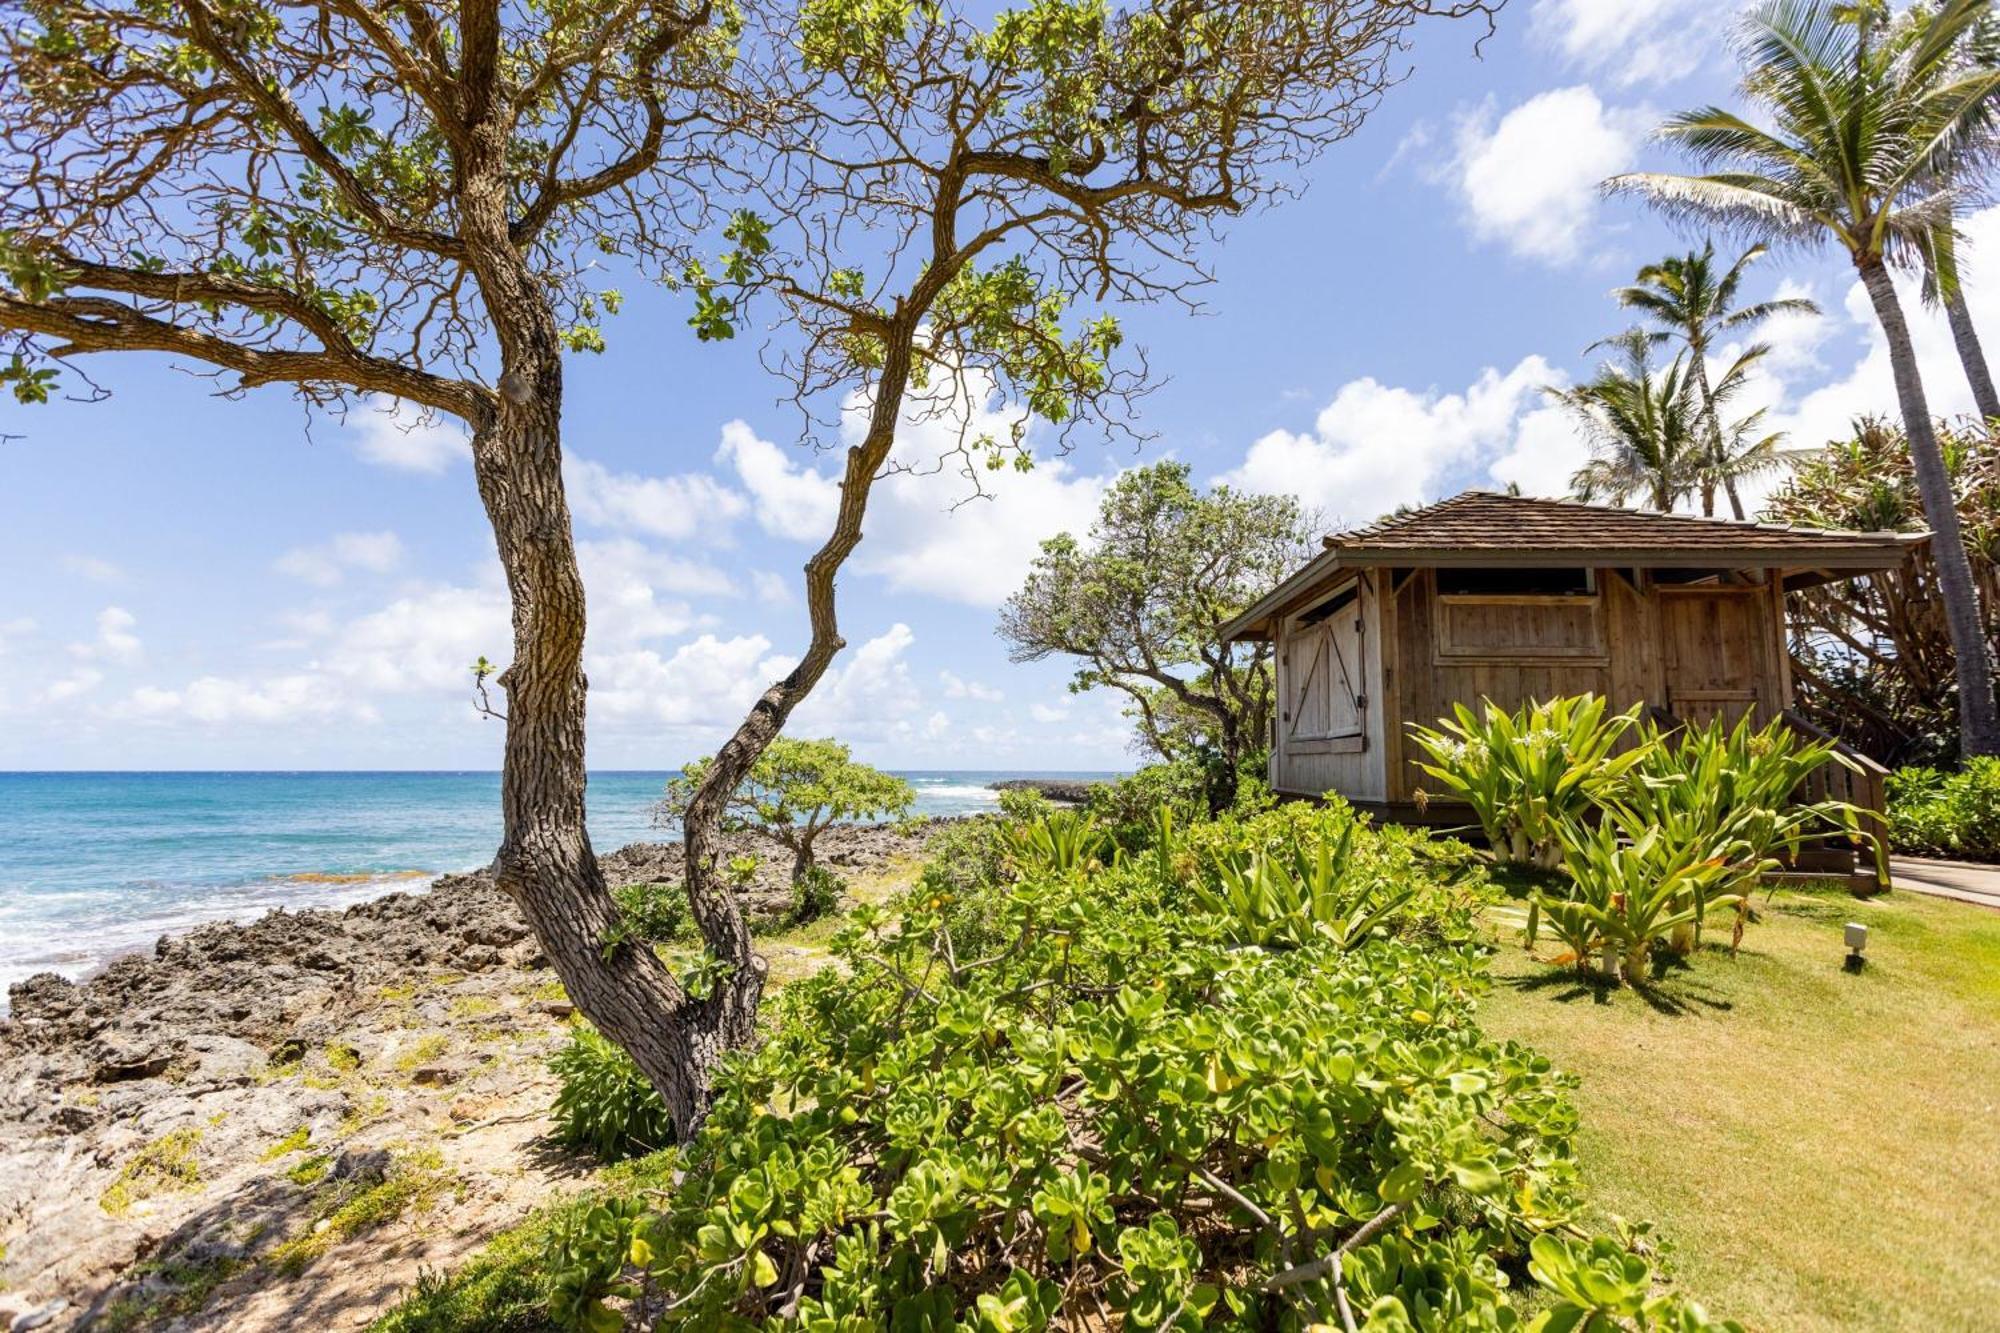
{"points": [[1302, 894], [1062, 842], [1524, 772]]}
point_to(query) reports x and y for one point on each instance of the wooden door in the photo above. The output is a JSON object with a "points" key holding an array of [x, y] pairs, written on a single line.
{"points": [[1716, 644], [1324, 697]]}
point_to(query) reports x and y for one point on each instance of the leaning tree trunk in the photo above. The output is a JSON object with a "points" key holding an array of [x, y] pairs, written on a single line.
{"points": [[1972, 356], [545, 862], [701, 826], [1979, 728]]}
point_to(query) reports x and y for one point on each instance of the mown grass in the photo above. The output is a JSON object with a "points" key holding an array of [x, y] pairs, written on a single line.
{"points": [[1821, 1146]]}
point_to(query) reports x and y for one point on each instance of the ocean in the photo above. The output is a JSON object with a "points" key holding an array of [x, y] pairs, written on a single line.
{"points": [[94, 865]]}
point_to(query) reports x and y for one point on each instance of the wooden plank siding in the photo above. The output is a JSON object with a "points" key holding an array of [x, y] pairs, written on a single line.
{"points": [[1715, 648]]}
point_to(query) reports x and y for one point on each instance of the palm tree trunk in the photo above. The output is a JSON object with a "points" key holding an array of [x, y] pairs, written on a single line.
{"points": [[1972, 356], [1979, 727], [1714, 423]]}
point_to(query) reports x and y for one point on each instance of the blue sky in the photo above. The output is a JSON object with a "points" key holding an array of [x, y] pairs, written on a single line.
{"points": [[187, 582]]}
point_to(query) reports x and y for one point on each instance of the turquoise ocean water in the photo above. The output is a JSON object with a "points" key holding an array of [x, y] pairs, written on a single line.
{"points": [[93, 865]]}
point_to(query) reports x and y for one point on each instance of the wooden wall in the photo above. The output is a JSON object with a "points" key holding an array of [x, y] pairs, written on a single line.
{"points": [[1699, 651]]}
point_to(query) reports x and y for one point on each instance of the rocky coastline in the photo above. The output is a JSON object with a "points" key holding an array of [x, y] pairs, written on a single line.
{"points": [[184, 1135], [1063, 791]]}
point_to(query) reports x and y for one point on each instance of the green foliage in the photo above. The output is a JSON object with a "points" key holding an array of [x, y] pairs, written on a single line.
{"points": [[815, 894], [508, 1287], [651, 913], [1630, 888], [1129, 808], [1878, 669], [605, 1104], [587, 1253], [361, 1202], [794, 790], [1138, 601], [1525, 772], [1110, 1099], [1061, 842], [1297, 898], [1605, 1287], [1947, 814], [166, 1165]]}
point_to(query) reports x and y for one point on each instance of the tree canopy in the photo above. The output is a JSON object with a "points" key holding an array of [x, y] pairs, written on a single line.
{"points": [[1137, 602], [794, 790]]}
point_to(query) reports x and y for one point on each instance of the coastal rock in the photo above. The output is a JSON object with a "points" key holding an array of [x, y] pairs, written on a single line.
{"points": [[198, 1106], [1064, 791]]}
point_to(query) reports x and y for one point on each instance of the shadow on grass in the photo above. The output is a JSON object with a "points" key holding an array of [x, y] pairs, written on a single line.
{"points": [[1671, 990]]}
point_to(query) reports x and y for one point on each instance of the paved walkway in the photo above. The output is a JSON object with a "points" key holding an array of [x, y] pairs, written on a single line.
{"points": [[1966, 881]]}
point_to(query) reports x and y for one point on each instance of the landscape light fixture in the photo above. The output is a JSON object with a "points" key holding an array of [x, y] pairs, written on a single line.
{"points": [[1857, 944]]}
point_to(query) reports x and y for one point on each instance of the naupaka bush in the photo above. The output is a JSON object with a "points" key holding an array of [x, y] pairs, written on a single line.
{"points": [[1114, 1111]]}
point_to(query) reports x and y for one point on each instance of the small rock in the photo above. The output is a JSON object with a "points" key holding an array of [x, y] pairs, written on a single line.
{"points": [[40, 1318], [434, 1075], [554, 1008]]}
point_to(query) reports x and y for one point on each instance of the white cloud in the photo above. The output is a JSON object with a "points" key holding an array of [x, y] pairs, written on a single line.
{"points": [[393, 434], [327, 564], [1529, 180], [80, 681], [13, 631], [869, 697], [115, 640], [1048, 713], [926, 529], [1633, 41], [707, 684], [94, 568], [955, 687], [772, 589], [676, 507], [1376, 446], [424, 640], [218, 700], [793, 499]]}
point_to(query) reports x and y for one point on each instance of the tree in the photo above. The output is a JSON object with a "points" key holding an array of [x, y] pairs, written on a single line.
{"points": [[1862, 136], [1139, 599], [1643, 427], [1979, 47], [1873, 654], [351, 198], [1692, 304], [794, 791], [347, 198]]}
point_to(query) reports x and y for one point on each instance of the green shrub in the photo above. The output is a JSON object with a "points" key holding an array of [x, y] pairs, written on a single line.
{"points": [[1127, 808], [1119, 1116], [816, 893], [1947, 814], [1061, 842], [605, 1104], [1525, 772]]}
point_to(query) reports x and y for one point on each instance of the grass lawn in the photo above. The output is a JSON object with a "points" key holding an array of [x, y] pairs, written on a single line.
{"points": [[1821, 1149]]}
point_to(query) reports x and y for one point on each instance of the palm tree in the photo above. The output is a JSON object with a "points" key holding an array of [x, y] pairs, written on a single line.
{"points": [[1643, 426], [1978, 48], [1693, 304], [1860, 134]]}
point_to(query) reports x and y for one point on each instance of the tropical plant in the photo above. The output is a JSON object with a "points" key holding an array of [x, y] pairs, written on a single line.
{"points": [[603, 1103], [1734, 794], [1631, 888], [1061, 842], [1861, 145], [795, 790], [586, 1255], [1643, 427], [1137, 601], [1689, 301], [1524, 772], [1872, 654], [1111, 1114], [1932, 813], [1309, 893]]}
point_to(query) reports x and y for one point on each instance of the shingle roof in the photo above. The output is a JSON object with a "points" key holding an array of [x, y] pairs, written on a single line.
{"points": [[1487, 521], [1479, 528]]}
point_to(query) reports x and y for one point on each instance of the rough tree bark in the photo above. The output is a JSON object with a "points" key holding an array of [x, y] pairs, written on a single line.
{"points": [[545, 862], [1979, 727]]}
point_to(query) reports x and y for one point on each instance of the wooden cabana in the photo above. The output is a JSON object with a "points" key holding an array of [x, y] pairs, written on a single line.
{"points": [[1502, 597]]}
